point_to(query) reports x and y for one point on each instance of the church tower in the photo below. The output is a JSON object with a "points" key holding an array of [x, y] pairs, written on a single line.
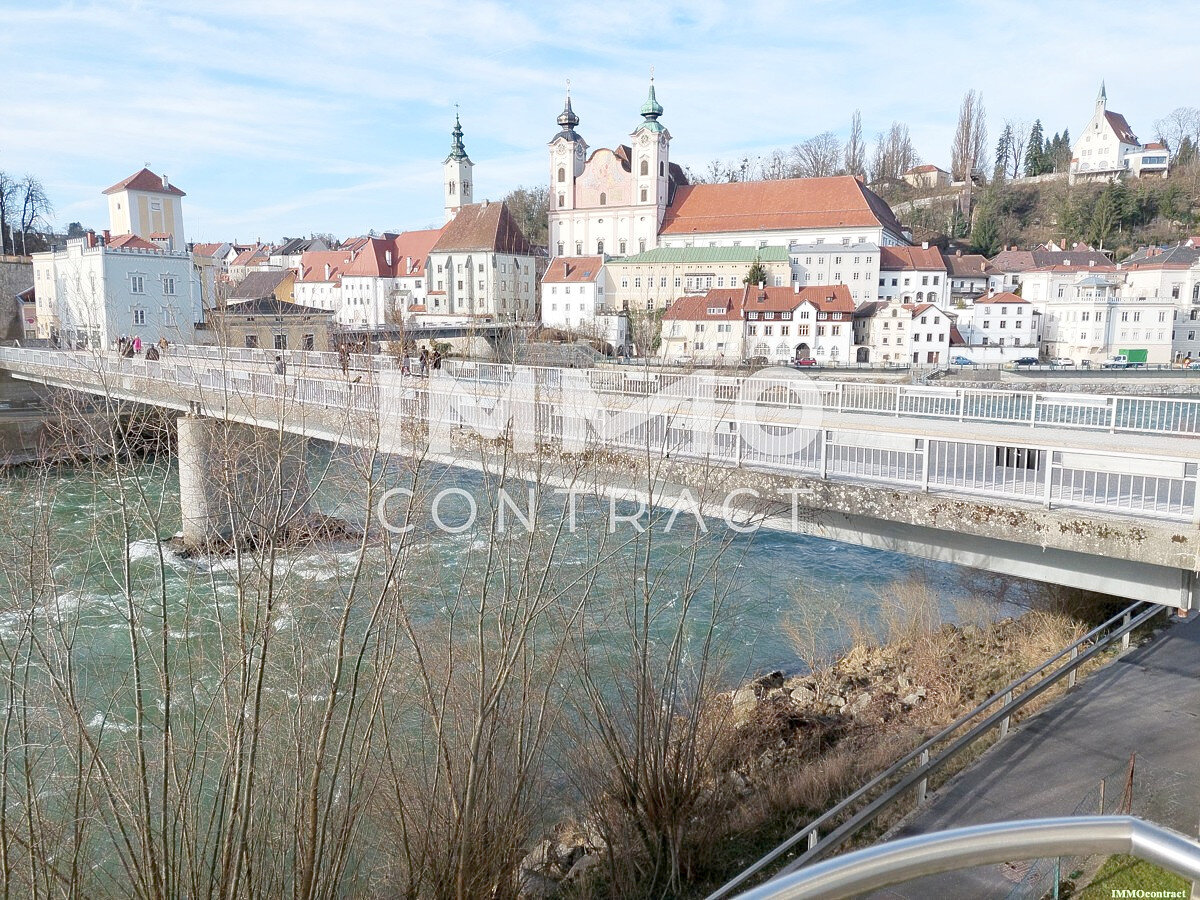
{"points": [[1101, 99], [568, 153], [651, 158], [457, 179]]}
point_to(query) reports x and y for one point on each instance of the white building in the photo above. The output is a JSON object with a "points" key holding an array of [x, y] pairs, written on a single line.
{"points": [[912, 274], [856, 265], [89, 294], [483, 265], [149, 206], [793, 323], [704, 329], [970, 276], [319, 279], [457, 174], [1107, 148], [1092, 320], [1011, 264], [1000, 320], [892, 331], [576, 291], [654, 279]]}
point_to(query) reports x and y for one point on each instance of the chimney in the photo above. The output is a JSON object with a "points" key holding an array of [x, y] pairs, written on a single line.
{"points": [[107, 236], [166, 182], [408, 264], [91, 238], [1063, 245], [328, 270], [761, 285], [795, 287], [924, 245]]}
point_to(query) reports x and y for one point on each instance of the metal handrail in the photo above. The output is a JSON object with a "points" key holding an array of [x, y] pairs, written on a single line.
{"points": [[928, 764], [976, 845]]}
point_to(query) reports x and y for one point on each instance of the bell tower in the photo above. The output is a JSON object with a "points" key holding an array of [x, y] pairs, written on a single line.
{"points": [[651, 157], [457, 178]]}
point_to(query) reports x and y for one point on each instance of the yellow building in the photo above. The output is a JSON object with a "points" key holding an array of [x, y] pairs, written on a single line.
{"points": [[654, 279]]}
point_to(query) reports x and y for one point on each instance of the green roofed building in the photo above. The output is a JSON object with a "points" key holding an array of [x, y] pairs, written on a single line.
{"points": [[654, 279]]}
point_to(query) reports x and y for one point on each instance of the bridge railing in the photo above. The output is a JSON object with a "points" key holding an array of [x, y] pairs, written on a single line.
{"points": [[1128, 483]]}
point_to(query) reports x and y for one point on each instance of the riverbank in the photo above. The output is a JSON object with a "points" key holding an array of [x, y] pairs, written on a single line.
{"points": [[794, 746]]}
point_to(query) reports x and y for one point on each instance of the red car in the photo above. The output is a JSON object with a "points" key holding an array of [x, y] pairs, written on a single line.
{"points": [[805, 363]]}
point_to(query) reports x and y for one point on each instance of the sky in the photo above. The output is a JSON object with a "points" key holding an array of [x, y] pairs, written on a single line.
{"points": [[287, 117]]}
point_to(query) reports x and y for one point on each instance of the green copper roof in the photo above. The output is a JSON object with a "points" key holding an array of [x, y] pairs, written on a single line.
{"points": [[706, 254], [651, 110], [457, 150]]}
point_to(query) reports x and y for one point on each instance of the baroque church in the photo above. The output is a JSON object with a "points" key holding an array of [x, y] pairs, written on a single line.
{"points": [[612, 201]]}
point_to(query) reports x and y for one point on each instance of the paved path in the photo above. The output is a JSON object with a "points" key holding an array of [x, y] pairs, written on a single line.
{"points": [[1147, 702]]}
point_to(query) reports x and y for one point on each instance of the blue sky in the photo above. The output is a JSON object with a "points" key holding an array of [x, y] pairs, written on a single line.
{"points": [[282, 118]]}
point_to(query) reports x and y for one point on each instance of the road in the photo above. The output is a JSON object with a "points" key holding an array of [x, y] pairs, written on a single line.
{"points": [[1146, 703]]}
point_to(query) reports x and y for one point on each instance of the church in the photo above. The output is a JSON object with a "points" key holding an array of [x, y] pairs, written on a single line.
{"points": [[625, 202]]}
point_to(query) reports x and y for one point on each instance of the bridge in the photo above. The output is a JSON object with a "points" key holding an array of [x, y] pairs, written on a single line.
{"points": [[1086, 490]]}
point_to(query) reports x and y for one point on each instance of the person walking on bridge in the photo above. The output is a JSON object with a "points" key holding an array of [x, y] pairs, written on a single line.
{"points": [[280, 367]]}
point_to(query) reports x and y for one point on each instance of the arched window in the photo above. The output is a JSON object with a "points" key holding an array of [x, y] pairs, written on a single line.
{"points": [[643, 195], [466, 187], [603, 199], [662, 168], [621, 248], [599, 247], [451, 188], [560, 248], [579, 248], [562, 174], [645, 167], [561, 199]]}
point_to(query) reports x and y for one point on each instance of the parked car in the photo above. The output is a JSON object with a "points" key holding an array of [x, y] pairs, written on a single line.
{"points": [[805, 363], [961, 361], [1116, 362], [1026, 361], [1062, 362]]}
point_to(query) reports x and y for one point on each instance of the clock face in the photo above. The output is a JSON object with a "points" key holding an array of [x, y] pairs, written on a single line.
{"points": [[645, 139], [579, 151]]}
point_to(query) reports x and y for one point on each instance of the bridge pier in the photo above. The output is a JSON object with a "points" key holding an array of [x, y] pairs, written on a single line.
{"points": [[238, 482]]}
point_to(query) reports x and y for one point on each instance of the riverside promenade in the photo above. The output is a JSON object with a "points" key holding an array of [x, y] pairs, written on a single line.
{"points": [[1146, 702]]}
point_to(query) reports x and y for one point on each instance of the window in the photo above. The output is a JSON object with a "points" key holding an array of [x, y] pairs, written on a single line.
{"points": [[600, 247], [561, 199], [137, 284], [621, 248], [562, 176], [252, 341], [603, 199], [167, 314], [560, 252], [643, 195], [281, 341], [139, 317], [662, 169], [642, 245], [579, 248], [169, 285]]}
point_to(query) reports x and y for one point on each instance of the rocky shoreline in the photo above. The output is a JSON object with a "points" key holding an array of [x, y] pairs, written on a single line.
{"points": [[856, 716]]}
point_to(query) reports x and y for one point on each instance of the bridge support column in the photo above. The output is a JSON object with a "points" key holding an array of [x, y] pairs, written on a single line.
{"points": [[238, 482]]}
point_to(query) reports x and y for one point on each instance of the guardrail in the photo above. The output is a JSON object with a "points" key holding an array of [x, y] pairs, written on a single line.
{"points": [[914, 769], [976, 845], [689, 428], [1093, 412]]}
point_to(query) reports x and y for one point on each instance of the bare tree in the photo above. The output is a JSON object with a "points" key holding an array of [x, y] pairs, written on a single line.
{"points": [[894, 154], [855, 152], [8, 200], [776, 165], [1019, 132], [35, 208], [969, 149], [819, 156]]}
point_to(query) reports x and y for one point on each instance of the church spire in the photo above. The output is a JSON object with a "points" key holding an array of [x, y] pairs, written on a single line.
{"points": [[457, 150], [567, 120], [1102, 97], [651, 110]]}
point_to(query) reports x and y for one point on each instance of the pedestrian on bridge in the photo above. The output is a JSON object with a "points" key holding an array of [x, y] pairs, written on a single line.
{"points": [[423, 362], [280, 368]]}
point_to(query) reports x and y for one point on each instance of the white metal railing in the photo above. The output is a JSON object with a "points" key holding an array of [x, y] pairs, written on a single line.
{"points": [[672, 421]]}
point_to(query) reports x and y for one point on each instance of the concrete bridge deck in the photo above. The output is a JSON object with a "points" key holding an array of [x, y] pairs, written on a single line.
{"points": [[1107, 498]]}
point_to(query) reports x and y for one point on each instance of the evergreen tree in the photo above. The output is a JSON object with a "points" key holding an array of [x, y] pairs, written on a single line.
{"points": [[1003, 152], [757, 274], [1035, 152], [985, 236]]}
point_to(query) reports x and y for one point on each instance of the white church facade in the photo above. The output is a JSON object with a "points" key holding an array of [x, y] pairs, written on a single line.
{"points": [[1108, 149]]}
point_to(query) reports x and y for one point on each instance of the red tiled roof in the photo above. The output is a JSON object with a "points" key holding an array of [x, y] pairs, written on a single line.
{"points": [[1002, 297], [574, 269], [372, 260], [160, 235], [792, 203], [1073, 267], [248, 257], [1155, 145], [1117, 122], [969, 265], [414, 244], [483, 226], [956, 338], [312, 265], [145, 180], [131, 242], [893, 258], [206, 249], [826, 298], [697, 306], [917, 170]]}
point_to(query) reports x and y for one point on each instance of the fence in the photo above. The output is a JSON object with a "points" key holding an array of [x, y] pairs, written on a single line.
{"points": [[833, 828], [707, 419]]}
